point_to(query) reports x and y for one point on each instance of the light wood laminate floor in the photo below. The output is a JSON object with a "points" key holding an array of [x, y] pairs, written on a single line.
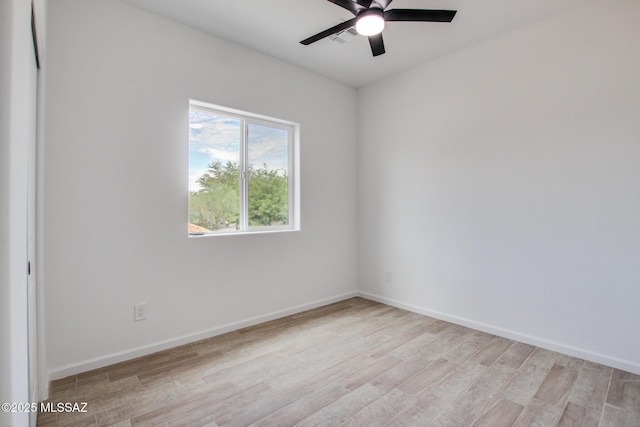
{"points": [[353, 363]]}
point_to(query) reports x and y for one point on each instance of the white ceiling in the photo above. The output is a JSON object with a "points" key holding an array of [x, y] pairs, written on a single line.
{"points": [[275, 27]]}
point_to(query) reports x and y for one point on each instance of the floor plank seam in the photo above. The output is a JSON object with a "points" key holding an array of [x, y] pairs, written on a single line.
{"points": [[342, 363]]}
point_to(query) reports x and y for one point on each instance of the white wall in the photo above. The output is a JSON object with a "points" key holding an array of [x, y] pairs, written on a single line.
{"points": [[501, 188], [116, 176], [5, 143], [15, 121], [40, 11], [5, 248]]}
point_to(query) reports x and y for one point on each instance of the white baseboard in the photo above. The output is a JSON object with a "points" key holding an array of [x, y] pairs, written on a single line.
{"points": [[580, 353], [110, 359]]}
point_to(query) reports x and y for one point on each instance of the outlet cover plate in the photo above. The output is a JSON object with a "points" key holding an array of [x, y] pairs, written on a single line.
{"points": [[140, 312]]}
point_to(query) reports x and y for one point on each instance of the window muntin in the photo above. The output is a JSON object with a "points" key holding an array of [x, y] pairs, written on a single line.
{"points": [[242, 172]]}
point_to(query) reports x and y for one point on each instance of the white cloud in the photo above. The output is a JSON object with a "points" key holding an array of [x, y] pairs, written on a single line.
{"points": [[193, 179], [221, 154]]}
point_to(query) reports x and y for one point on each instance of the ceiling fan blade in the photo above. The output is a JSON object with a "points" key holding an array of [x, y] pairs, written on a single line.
{"points": [[383, 3], [419, 15], [349, 5], [377, 44], [326, 33], [365, 3]]}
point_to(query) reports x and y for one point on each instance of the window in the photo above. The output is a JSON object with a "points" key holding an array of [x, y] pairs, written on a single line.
{"points": [[242, 172]]}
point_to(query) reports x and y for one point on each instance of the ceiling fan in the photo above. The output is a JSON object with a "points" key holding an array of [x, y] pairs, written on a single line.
{"points": [[370, 17]]}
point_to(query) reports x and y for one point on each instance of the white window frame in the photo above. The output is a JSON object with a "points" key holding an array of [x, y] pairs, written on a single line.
{"points": [[293, 172]]}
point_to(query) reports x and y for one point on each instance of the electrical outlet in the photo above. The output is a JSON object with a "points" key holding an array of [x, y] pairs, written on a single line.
{"points": [[388, 276], [140, 311]]}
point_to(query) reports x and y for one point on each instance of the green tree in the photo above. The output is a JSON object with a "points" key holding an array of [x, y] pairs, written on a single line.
{"points": [[217, 203], [219, 174], [268, 197]]}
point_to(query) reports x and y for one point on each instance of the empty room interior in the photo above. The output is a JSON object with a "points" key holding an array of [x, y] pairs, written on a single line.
{"points": [[459, 243]]}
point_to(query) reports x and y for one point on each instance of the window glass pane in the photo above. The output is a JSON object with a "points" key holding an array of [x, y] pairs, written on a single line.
{"points": [[268, 172], [214, 174]]}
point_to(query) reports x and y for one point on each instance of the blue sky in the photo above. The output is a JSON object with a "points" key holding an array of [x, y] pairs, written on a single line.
{"points": [[214, 137]]}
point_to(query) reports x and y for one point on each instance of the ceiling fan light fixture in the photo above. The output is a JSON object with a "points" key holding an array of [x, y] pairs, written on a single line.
{"points": [[370, 17], [370, 22]]}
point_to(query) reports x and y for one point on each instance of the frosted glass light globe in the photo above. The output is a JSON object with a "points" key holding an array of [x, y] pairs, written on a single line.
{"points": [[370, 24]]}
